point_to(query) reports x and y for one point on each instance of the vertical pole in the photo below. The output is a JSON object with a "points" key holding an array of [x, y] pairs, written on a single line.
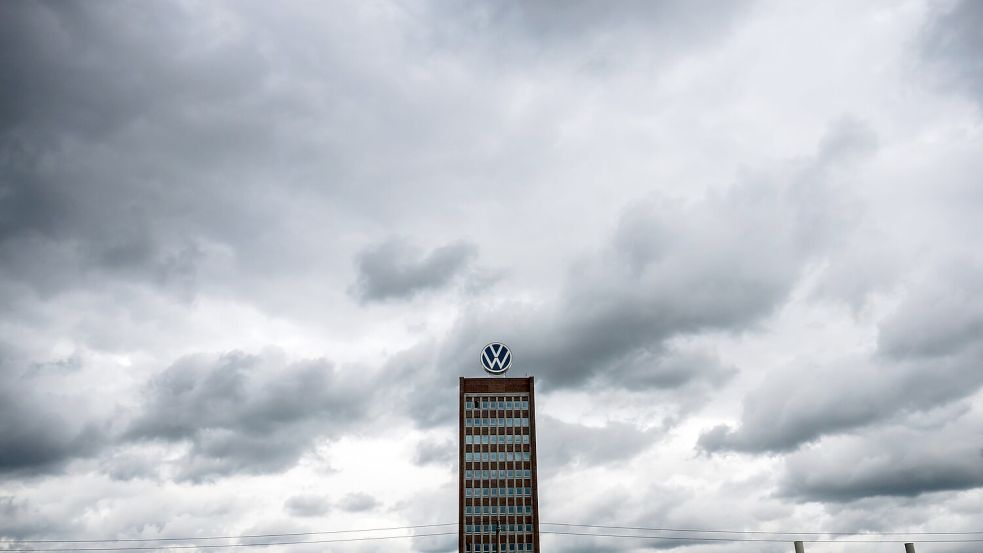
{"points": [[909, 548], [799, 548]]}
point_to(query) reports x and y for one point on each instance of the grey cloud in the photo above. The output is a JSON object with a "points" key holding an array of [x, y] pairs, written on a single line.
{"points": [[396, 270], [39, 439], [358, 502], [888, 462], [41, 432], [954, 42], [928, 355], [549, 27], [21, 520], [675, 269], [563, 444], [307, 505], [247, 413], [79, 179], [432, 452]]}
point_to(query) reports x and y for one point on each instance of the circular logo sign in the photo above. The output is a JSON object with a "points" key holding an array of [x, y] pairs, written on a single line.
{"points": [[496, 358]]}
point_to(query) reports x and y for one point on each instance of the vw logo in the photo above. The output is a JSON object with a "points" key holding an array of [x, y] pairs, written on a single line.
{"points": [[496, 358]]}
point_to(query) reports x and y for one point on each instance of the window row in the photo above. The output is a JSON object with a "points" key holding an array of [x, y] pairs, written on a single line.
{"points": [[491, 528], [506, 439], [498, 456], [496, 474], [500, 422], [498, 510], [496, 492], [477, 547], [503, 405]]}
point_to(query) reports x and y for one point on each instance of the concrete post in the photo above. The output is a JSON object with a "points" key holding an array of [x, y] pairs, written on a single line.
{"points": [[799, 548], [909, 548]]}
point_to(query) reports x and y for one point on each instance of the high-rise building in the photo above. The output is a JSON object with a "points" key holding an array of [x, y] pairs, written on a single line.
{"points": [[498, 506]]}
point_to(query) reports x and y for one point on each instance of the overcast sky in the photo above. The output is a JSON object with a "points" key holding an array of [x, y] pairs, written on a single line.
{"points": [[247, 249]]}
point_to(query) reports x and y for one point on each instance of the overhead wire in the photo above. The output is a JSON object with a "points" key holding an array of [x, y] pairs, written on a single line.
{"points": [[243, 536], [763, 532], [740, 539], [218, 545]]}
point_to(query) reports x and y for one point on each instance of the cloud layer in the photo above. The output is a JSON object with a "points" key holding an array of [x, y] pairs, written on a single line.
{"points": [[246, 253]]}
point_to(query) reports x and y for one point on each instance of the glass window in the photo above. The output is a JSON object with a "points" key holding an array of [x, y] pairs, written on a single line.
{"points": [[484, 439], [525, 438], [467, 404], [467, 492], [484, 474]]}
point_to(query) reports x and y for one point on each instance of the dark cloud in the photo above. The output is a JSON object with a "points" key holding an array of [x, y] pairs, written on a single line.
{"points": [[19, 519], [307, 505], [358, 502], [673, 269], [953, 41], [432, 452], [894, 461], [89, 114], [554, 28], [928, 355], [396, 270], [562, 444], [41, 431], [247, 413]]}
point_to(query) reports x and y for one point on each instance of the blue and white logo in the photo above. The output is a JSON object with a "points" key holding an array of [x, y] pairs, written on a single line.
{"points": [[496, 358]]}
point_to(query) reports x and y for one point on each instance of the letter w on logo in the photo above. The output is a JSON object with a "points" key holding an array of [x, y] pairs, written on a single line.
{"points": [[496, 357]]}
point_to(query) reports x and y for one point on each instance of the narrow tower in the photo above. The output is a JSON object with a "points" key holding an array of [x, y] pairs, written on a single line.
{"points": [[498, 506]]}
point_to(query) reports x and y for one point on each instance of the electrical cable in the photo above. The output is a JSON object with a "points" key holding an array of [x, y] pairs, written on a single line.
{"points": [[244, 536], [765, 532], [697, 538], [217, 545]]}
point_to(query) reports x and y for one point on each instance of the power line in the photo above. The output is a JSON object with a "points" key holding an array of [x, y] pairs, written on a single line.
{"points": [[763, 531], [244, 536], [786, 537], [697, 538], [217, 545]]}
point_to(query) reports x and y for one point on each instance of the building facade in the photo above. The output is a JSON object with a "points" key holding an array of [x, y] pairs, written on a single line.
{"points": [[498, 506]]}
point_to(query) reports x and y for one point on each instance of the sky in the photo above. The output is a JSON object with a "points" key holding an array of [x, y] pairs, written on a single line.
{"points": [[248, 248]]}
